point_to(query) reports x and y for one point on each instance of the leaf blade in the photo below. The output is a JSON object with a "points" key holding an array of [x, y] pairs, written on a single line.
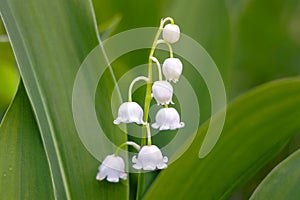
{"points": [[50, 40], [244, 146], [282, 182], [22, 154]]}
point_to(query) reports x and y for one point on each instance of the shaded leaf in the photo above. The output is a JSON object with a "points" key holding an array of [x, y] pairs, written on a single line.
{"points": [[50, 40], [24, 170], [283, 182], [257, 126]]}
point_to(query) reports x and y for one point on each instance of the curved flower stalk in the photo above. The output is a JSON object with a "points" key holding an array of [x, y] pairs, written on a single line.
{"points": [[150, 158], [130, 112], [167, 119]]}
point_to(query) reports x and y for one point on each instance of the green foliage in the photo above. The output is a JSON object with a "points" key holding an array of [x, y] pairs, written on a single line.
{"points": [[24, 169], [283, 182], [252, 42], [250, 138], [49, 55]]}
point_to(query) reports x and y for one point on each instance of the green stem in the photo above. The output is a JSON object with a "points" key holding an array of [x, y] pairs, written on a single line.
{"points": [[140, 78], [148, 97], [158, 67], [149, 84], [140, 186], [169, 46], [148, 134], [168, 19], [136, 146]]}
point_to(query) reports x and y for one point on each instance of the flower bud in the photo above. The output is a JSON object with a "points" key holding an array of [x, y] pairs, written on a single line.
{"points": [[162, 92], [112, 168], [172, 69], [171, 33], [167, 119], [130, 112], [150, 158]]}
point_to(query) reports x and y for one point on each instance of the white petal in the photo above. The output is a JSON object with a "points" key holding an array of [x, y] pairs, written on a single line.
{"points": [[162, 166], [165, 159], [123, 176], [113, 178], [100, 176], [117, 121], [149, 167], [134, 159], [155, 125], [164, 127], [137, 164]]}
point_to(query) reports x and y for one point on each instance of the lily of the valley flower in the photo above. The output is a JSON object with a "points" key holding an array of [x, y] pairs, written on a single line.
{"points": [[171, 33], [112, 168], [172, 69], [130, 112], [167, 119], [150, 158], [162, 92]]}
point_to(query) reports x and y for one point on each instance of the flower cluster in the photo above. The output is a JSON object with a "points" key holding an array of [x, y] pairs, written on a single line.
{"points": [[149, 156]]}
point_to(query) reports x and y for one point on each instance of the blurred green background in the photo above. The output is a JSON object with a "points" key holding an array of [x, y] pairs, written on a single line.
{"points": [[251, 41]]}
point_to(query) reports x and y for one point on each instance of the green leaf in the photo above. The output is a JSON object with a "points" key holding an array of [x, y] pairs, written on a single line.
{"points": [[257, 126], [50, 40], [282, 182], [24, 170]]}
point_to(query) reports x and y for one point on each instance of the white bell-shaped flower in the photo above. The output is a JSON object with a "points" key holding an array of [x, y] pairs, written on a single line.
{"points": [[112, 168], [167, 119], [172, 69], [171, 33], [162, 92], [130, 112], [150, 158]]}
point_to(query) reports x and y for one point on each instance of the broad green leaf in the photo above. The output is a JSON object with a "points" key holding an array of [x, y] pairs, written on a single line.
{"points": [[24, 170], [282, 182], [50, 40], [257, 126]]}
